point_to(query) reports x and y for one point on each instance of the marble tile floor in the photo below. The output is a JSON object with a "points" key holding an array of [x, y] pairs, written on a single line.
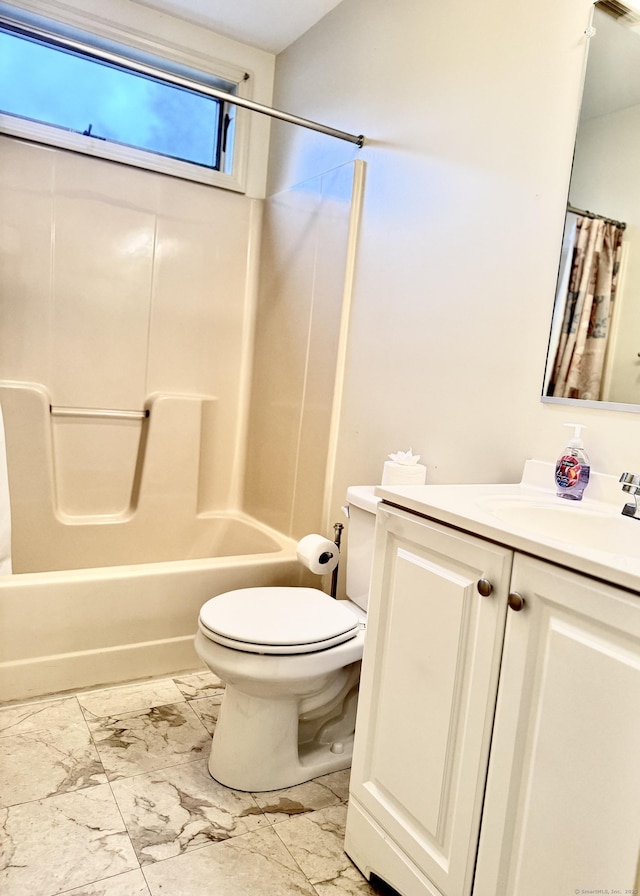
{"points": [[107, 793]]}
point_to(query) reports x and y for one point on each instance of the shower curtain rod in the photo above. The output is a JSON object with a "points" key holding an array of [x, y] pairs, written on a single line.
{"points": [[585, 214], [179, 80]]}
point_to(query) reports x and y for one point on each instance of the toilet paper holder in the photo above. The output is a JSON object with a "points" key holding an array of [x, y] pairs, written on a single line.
{"points": [[337, 530], [321, 555]]}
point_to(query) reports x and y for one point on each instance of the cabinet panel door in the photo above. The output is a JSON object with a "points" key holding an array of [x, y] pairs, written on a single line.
{"points": [[562, 812], [427, 694]]}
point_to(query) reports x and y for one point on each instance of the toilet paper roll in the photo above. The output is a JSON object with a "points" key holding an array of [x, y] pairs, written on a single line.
{"points": [[318, 554], [403, 474]]}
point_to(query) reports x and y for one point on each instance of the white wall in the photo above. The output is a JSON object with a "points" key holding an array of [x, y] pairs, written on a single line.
{"points": [[470, 112]]}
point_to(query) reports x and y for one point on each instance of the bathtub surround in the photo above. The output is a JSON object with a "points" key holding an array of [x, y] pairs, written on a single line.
{"points": [[5, 507], [121, 287], [129, 291], [105, 793], [158, 518], [309, 243], [127, 330]]}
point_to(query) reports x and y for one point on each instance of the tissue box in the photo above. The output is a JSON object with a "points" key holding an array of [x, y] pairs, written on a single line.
{"points": [[403, 474]]}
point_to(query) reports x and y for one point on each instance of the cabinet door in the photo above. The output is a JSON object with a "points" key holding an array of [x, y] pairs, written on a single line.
{"points": [[562, 811], [426, 705]]}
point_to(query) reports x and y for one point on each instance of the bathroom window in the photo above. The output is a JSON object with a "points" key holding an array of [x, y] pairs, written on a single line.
{"points": [[99, 101]]}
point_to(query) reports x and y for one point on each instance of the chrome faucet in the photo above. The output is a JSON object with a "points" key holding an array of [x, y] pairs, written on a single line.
{"points": [[631, 484]]}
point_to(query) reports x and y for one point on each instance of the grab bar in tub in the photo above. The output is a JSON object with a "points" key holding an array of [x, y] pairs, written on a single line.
{"points": [[97, 412]]}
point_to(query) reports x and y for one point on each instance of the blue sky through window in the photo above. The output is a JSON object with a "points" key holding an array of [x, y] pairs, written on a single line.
{"points": [[56, 87]]}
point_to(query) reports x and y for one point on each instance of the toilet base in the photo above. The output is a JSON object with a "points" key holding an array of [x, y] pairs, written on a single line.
{"points": [[256, 744], [318, 761], [283, 720]]}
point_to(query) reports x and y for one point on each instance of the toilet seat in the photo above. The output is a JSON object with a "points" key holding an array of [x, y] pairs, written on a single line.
{"points": [[276, 620]]}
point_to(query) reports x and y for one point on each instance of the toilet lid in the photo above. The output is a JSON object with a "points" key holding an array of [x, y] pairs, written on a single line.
{"points": [[277, 620]]}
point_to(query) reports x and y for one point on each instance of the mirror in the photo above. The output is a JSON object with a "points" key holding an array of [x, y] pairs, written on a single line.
{"points": [[594, 345]]}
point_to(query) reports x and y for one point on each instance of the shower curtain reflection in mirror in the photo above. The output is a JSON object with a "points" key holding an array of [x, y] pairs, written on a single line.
{"points": [[581, 326]]}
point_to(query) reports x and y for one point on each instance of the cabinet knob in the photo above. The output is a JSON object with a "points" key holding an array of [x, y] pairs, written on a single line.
{"points": [[515, 601], [485, 587]]}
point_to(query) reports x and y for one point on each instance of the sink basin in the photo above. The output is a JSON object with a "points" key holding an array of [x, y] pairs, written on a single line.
{"points": [[591, 536], [569, 522]]}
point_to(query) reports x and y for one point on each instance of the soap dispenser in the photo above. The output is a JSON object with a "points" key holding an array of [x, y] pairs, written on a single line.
{"points": [[572, 468]]}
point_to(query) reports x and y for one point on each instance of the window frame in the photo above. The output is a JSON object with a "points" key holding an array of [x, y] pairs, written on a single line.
{"points": [[163, 62]]}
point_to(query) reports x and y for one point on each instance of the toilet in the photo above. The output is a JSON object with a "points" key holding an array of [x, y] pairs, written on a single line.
{"points": [[290, 659]]}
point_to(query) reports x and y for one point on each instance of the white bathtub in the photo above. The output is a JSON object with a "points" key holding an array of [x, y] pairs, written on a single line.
{"points": [[117, 541], [78, 627]]}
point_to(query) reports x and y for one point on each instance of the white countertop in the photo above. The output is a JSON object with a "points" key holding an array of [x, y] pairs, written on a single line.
{"points": [[477, 508]]}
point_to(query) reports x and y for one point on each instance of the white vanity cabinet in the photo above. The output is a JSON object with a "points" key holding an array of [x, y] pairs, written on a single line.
{"points": [[562, 810], [426, 704], [561, 765]]}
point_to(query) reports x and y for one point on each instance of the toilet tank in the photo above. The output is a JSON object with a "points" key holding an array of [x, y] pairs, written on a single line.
{"points": [[362, 505]]}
